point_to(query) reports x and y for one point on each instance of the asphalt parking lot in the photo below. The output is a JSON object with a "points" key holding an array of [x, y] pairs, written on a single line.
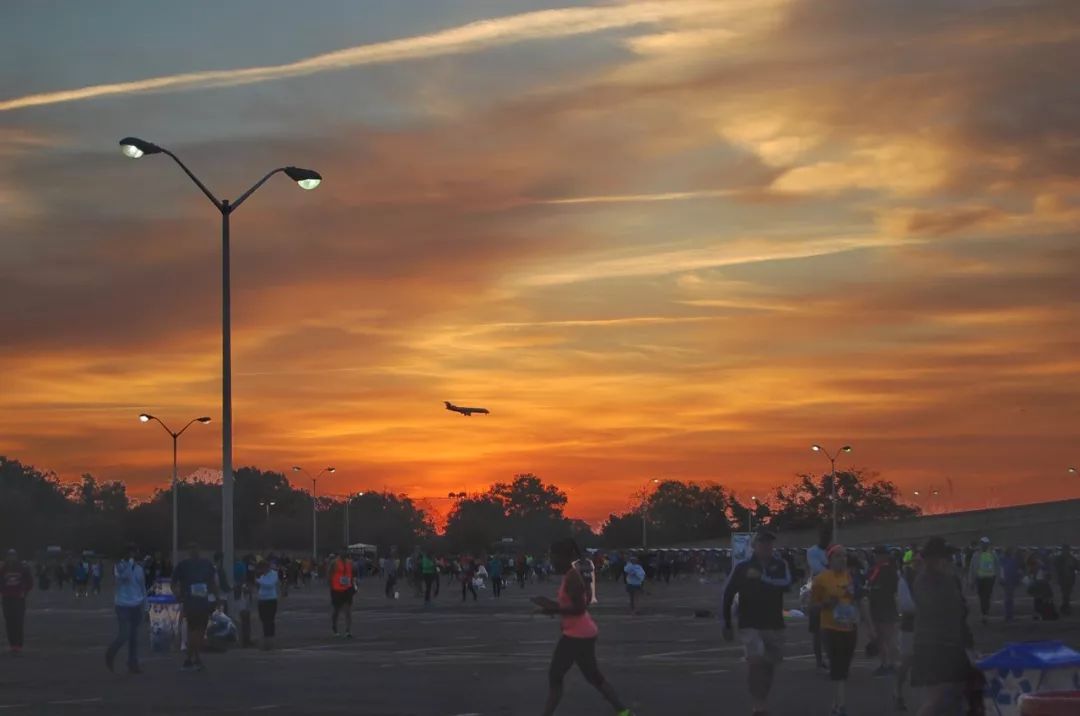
{"points": [[486, 658]]}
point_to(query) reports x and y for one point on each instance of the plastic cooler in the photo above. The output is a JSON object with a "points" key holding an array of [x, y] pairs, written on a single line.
{"points": [[1028, 669], [1051, 703], [164, 616]]}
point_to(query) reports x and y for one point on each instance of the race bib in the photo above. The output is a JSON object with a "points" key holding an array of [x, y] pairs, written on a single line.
{"points": [[845, 614], [199, 590], [343, 581]]}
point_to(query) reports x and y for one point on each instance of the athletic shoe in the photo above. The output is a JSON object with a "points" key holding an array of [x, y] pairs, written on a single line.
{"points": [[348, 635], [189, 665], [625, 712], [199, 666], [901, 705]]}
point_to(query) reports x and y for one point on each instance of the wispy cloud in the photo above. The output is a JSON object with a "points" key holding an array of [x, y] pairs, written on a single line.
{"points": [[471, 37], [639, 198], [731, 254]]}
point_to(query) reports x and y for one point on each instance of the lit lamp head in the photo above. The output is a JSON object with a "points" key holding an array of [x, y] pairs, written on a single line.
{"points": [[133, 147], [846, 448], [306, 178], [331, 469], [204, 421], [815, 448], [1072, 470], [145, 417]]}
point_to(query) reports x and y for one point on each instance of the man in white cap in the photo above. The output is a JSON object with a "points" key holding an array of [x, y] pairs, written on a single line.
{"points": [[985, 568]]}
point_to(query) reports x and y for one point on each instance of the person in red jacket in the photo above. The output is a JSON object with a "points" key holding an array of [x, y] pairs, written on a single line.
{"points": [[16, 581]]}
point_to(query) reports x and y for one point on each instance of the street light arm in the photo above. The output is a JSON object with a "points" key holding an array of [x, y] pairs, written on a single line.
{"points": [[209, 195], [190, 423], [253, 189], [165, 427]]}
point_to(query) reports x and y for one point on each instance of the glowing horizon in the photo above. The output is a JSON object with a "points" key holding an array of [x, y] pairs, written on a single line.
{"points": [[657, 239]]}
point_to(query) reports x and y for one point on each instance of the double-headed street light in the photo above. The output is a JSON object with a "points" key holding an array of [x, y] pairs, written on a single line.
{"points": [[269, 533], [314, 517], [835, 495], [135, 148], [146, 418]]}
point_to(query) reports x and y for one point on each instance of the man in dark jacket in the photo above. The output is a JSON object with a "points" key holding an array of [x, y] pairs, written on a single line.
{"points": [[1065, 566], [16, 581], [760, 583]]}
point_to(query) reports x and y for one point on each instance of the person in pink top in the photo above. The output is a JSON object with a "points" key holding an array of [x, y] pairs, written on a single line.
{"points": [[577, 645]]}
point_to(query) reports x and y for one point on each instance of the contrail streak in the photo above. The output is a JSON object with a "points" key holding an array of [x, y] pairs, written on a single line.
{"points": [[471, 37]]}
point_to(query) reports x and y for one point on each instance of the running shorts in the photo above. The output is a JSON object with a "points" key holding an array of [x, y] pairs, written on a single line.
{"points": [[341, 597], [763, 644]]}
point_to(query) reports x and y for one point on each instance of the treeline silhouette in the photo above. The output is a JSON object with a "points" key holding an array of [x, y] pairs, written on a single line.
{"points": [[38, 511]]}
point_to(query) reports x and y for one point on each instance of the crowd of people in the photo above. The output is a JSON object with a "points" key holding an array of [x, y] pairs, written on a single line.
{"points": [[911, 602], [908, 602]]}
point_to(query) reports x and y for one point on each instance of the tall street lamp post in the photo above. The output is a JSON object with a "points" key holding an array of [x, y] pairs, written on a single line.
{"points": [[135, 148], [314, 513], [835, 495], [146, 418], [750, 513]]}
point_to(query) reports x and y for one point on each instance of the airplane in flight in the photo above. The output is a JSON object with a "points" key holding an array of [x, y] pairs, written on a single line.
{"points": [[467, 412]]}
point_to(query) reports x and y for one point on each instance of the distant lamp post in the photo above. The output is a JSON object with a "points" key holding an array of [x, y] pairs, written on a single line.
{"points": [[645, 513], [348, 504], [750, 513], [314, 514], [832, 479], [134, 148], [146, 418], [269, 532]]}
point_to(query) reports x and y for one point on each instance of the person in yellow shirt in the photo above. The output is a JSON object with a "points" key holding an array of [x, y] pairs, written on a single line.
{"points": [[834, 592]]}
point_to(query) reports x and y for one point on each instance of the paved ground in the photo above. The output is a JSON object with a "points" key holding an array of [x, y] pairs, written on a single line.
{"points": [[488, 658]]}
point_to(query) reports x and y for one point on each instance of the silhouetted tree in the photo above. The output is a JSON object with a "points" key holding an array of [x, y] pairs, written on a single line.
{"points": [[861, 498]]}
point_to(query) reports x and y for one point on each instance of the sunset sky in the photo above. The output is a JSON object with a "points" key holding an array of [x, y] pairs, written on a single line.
{"points": [[675, 239]]}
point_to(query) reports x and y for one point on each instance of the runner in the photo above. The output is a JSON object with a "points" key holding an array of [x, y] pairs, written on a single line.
{"points": [[635, 581], [16, 581], [521, 568], [342, 589], [882, 585], [467, 574], [1065, 566], [195, 582], [430, 572], [495, 570], [390, 570], [130, 603], [985, 567], [268, 587], [833, 592], [1011, 575], [906, 603], [760, 583], [942, 637], [817, 561], [579, 632], [95, 577]]}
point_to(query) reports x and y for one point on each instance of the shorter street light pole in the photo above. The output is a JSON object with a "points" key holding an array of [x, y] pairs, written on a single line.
{"points": [[314, 514], [146, 418], [645, 513], [348, 504], [835, 495], [269, 533]]}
